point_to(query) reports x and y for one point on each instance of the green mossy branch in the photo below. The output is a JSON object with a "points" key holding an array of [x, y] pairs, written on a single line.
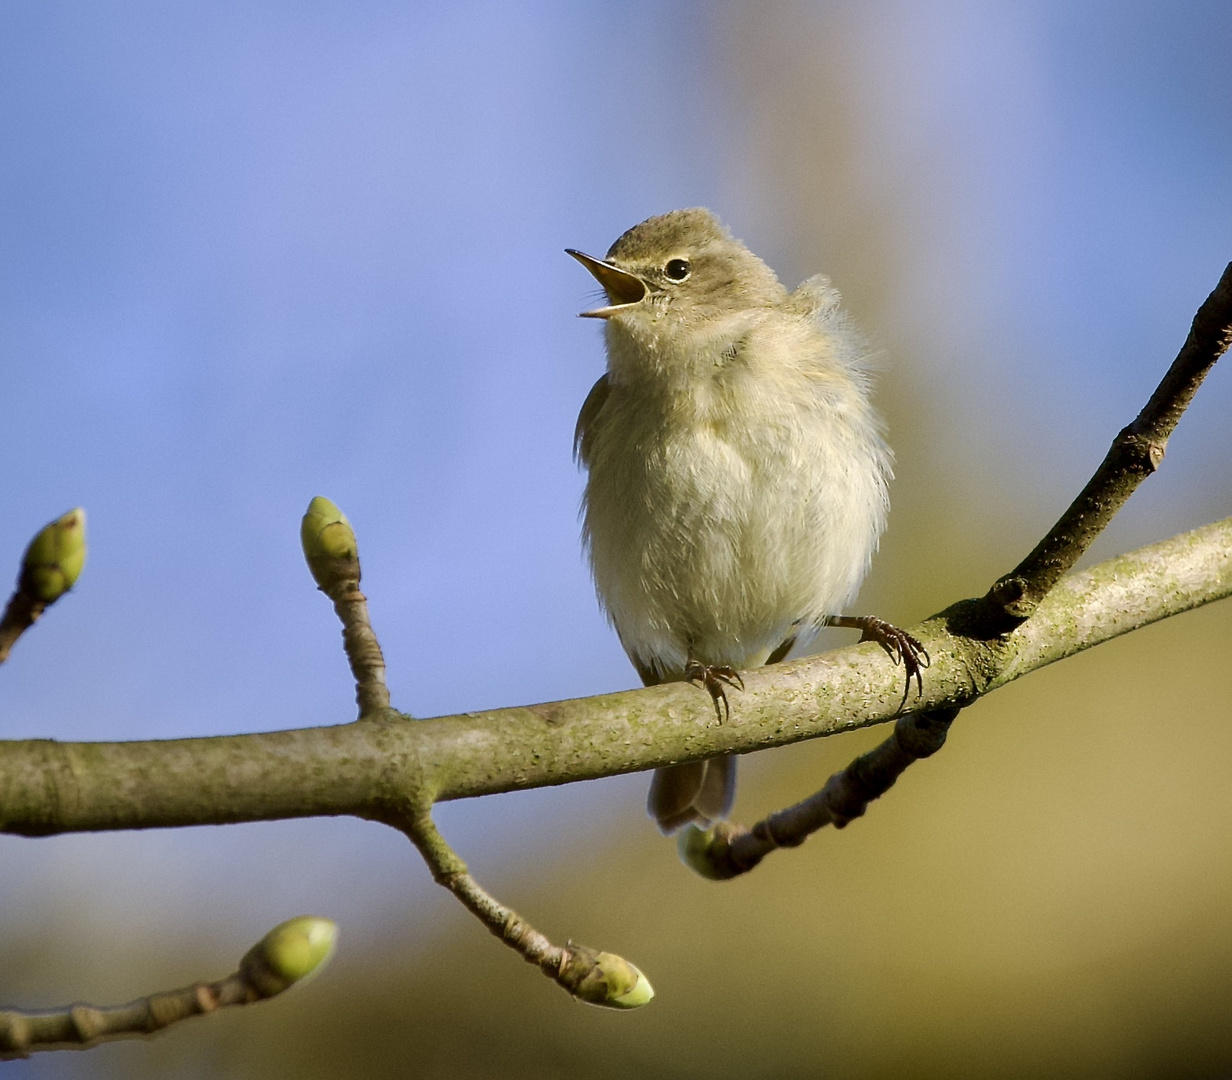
{"points": [[376, 768]]}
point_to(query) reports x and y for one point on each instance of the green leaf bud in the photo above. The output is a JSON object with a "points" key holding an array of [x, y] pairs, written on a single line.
{"points": [[54, 559], [696, 849], [292, 951], [329, 544], [605, 979]]}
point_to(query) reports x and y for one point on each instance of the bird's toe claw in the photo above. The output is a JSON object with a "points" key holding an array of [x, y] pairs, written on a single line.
{"points": [[715, 678], [902, 648]]}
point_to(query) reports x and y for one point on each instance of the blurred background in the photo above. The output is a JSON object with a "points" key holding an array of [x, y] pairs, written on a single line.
{"points": [[256, 252]]}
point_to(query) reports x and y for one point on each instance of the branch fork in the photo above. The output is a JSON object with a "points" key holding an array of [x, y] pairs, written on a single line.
{"points": [[728, 849]]}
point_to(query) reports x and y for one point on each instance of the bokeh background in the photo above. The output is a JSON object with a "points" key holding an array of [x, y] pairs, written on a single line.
{"points": [[255, 252]]}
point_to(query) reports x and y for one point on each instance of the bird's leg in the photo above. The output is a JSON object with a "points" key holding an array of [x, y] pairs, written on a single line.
{"points": [[900, 645], [715, 678]]}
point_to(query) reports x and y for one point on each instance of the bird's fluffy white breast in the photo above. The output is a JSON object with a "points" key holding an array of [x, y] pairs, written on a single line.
{"points": [[726, 506]]}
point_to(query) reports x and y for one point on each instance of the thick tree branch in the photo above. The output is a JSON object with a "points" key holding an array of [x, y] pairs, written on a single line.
{"points": [[374, 768]]}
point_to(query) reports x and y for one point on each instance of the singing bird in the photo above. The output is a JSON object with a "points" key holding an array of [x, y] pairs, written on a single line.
{"points": [[736, 472]]}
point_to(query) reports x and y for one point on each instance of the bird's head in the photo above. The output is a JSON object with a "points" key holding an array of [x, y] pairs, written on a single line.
{"points": [[678, 271]]}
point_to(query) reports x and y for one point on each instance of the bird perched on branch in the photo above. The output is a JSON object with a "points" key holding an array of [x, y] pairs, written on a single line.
{"points": [[737, 472]]}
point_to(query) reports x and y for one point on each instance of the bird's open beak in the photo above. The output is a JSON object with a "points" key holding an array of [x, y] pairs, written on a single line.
{"points": [[623, 288]]}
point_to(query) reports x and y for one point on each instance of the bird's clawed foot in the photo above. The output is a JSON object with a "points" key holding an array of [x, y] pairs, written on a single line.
{"points": [[898, 644], [715, 678]]}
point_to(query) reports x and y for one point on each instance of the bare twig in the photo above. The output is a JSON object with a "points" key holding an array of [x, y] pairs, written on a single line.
{"points": [[333, 557], [1135, 453], [727, 849], [287, 954], [20, 613], [596, 977], [599, 978]]}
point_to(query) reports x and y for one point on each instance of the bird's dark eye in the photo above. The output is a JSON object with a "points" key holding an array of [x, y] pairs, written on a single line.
{"points": [[678, 269]]}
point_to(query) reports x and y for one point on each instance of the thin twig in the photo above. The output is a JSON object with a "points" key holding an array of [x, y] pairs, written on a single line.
{"points": [[728, 849], [20, 613], [80, 1027], [363, 651], [600, 978], [287, 954], [332, 553], [1135, 453]]}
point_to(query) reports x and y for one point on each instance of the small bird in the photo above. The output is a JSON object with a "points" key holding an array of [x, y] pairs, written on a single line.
{"points": [[737, 472]]}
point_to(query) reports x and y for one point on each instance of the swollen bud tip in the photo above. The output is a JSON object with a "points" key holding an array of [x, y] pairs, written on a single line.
{"points": [[329, 543], [325, 531], [696, 849], [638, 993], [53, 561], [290, 952], [605, 979]]}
